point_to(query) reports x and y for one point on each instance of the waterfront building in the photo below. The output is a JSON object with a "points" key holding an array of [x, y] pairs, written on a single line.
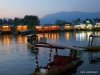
{"points": [[97, 26], [39, 28], [68, 27], [22, 29], [80, 27], [53, 27], [5, 29], [89, 27], [83, 27], [46, 28]]}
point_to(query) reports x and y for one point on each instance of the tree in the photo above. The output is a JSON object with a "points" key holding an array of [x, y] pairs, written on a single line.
{"points": [[31, 21], [94, 20], [99, 19], [10, 22], [87, 19], [16, 21], [4, 21], [91, 22], [78, 20], [60, 22], [21, 21], [84, 21], [1, 21]]}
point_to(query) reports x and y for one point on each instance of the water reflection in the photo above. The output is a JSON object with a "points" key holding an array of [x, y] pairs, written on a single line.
{"points": [[21, 38], [17, 59], [94, 58], [67, 35], [82, 36], [5, 39], [52, 37], [98, 33]]}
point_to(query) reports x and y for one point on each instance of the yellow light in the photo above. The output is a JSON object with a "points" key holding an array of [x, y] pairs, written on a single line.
{"points": [[5, 26]]}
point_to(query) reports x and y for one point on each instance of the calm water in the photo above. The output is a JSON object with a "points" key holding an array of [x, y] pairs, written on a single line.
{"points": [[17, 59]]}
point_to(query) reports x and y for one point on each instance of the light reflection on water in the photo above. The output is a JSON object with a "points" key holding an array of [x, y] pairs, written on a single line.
{"points": [[17, 59]]}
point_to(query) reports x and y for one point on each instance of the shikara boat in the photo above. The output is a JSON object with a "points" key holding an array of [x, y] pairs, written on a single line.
{"points": [[32, 38], [90, 46], [60, 63]]}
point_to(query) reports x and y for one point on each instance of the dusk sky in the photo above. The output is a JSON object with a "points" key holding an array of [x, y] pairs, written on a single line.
{"points": [[40, 8]]}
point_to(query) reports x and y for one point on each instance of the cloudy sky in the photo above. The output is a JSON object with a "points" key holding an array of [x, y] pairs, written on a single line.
{"points": [[40, 8]]}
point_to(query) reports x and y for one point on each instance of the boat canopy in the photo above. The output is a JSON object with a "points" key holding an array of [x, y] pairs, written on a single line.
{"points": [[32, 35], [93, 35], [24, 31], [56, 46], [91, 40]]}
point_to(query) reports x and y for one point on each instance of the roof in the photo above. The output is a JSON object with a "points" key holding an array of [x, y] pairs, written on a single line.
{"points": [[57, 46], [32, 35], [24, 31], [93, 35]]}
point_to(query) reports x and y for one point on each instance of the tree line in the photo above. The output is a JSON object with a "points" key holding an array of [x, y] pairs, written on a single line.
{"points": [[27, 20], [78, 21], [33, 20]]}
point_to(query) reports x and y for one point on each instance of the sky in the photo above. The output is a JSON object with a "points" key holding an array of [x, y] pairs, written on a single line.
{"points": [[40, 8]]}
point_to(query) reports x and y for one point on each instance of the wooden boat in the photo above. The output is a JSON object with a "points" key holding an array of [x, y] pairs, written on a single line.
{"points": [[60, 63], [90, 46], [32, 38]]}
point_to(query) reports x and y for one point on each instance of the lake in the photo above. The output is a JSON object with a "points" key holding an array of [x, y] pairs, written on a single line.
{"points": [[16, 58]]}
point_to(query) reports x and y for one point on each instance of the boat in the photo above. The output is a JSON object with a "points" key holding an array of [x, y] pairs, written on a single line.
{"points": [[32, 39], [90, 46], [60, 63]]}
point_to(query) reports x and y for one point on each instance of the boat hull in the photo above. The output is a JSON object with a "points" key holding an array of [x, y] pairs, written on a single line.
{"points": [[91, 48], [57, 71], [94, 48]]}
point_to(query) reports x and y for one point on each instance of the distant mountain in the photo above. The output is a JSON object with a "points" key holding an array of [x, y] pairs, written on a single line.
{"points": [[68, 16]]}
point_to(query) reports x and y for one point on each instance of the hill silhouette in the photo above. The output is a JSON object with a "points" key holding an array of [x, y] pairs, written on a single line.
{"points": [[68, 16]]}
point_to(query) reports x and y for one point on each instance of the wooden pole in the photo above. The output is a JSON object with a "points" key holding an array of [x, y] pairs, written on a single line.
{"points": [[89, 41], [49, 58], [36, 58], [56, 52]]}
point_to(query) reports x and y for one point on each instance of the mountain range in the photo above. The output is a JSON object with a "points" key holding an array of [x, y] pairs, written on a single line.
{"points": [[68, 16]]}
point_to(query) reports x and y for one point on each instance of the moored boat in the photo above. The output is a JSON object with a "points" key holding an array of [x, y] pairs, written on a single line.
{"points": [[32, 38], [60, 63], [91, 46]]}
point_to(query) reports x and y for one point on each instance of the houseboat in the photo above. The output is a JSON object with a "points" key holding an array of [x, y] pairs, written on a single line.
{"points": [[47, 28], [22, 29], [5, 29]]}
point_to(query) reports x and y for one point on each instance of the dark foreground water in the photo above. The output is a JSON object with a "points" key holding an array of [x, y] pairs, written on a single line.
{"points": [[17, 59]]}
